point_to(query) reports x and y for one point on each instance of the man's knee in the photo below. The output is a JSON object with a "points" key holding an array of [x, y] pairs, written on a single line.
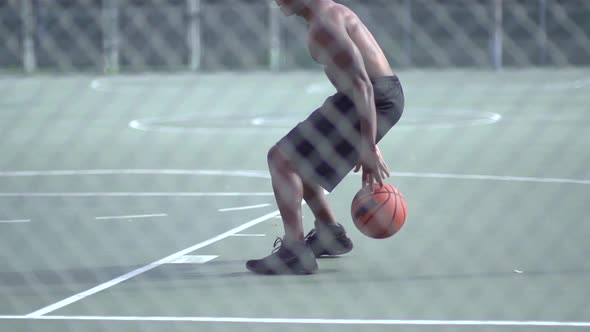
{"points": [[277, 158]]}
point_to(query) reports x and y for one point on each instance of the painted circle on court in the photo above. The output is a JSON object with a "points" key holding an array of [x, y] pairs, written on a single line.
{"points": [[573, 84], [419, 118], [144, 82]]}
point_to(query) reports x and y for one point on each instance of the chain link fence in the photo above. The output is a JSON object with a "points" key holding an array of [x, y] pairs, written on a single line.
{"points": [[67, 149], [133, 35]]}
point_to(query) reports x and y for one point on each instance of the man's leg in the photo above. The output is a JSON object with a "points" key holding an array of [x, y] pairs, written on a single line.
{"points": [[316, 200], [328, 237], [291, 254], [289, 190]]}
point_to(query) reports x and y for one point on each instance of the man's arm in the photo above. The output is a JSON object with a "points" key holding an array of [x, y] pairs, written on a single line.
{"points": [[344, 57]]}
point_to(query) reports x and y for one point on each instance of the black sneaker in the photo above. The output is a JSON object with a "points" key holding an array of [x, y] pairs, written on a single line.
{"points": [[328, 240], [288, 257]]}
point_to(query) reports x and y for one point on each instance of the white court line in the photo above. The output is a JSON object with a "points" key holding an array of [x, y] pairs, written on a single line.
{"points": [[132, 216], [164, 125], [258, 174], [244, 207], [249, 173], [248, 235], [567, 85], [487, 177], [136, 194], [15, 221], [165, 260], [314, 321], [237, 173], [194, 259]]}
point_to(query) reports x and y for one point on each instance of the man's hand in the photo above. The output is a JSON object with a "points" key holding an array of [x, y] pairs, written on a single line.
{"points": [[374, 167]]}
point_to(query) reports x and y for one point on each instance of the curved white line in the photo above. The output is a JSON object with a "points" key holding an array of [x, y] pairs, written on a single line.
{"points": [[154, 124], [121, 82], [489, 177], [265, 175], [567, 85], [145, 125], [15, 221], [132, 216]]}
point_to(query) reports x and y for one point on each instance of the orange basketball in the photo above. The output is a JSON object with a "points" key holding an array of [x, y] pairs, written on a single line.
{"points": [[380, 214]]}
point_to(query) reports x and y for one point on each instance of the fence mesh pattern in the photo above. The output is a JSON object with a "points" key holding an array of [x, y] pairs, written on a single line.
{"points": [[151, 35], [134, 182]]}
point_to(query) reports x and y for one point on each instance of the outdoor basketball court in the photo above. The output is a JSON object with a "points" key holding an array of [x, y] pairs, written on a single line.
{"points": [[131, 203]]}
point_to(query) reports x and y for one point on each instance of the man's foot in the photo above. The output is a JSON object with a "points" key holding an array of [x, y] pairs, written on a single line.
{"points": [[328, 240], [288, 257]]}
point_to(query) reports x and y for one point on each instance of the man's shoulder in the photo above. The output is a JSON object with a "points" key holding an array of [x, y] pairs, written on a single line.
{"points": [[334, 14], [340, 12]]}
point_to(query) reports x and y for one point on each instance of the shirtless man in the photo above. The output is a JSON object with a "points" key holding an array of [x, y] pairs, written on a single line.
{"points": [[343, 133]]}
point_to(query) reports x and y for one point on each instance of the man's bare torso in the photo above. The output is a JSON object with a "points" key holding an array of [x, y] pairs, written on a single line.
{"points": [[375, 61]]}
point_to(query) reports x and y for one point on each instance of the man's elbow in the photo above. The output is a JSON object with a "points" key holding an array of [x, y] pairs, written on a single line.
{"points": [[362, 83]]}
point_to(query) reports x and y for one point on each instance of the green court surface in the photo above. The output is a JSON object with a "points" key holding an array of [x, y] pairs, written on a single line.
{"points": [[107, 184]]}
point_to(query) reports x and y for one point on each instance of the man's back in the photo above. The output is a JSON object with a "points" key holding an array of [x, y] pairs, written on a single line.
{"points": [[320, 46]]}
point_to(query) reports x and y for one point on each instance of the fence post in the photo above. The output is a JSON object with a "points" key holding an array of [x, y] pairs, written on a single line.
{"points": [[28, 19], [543, 31], [407, 24], [497, 53], [194, 33], [110, 41], [274, 36]]}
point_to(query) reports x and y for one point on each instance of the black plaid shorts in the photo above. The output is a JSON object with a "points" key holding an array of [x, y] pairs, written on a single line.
{"points": [[324, 148]]}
